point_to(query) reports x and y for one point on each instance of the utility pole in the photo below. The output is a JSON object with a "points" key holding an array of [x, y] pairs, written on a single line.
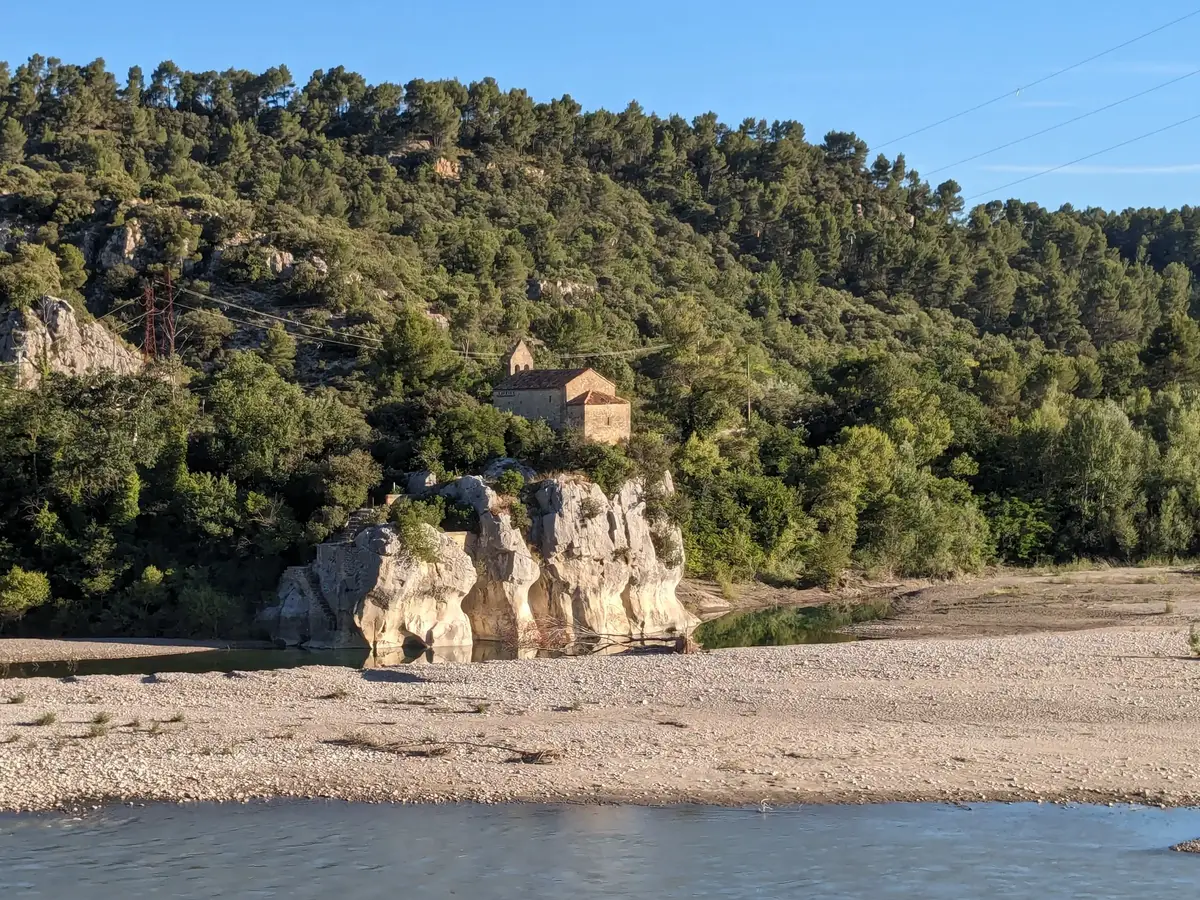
{"points": [[748, 388], [150, 338], [169, 319]]}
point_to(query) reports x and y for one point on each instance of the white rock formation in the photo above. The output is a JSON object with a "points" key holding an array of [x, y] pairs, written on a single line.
{"points": [[602, 574], [280, 262], [498, 604], [122, 247], [583, 541], [373, 593], [49, 337]]}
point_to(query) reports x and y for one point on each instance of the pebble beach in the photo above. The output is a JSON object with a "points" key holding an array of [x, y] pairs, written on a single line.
{"points": [[1107, 715]]}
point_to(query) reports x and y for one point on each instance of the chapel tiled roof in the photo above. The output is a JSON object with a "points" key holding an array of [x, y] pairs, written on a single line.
{"points": [[596, 398], [539, 379]]}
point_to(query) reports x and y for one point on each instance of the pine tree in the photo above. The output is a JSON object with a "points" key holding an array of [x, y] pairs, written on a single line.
{"points": [[12, 142], [279, 351]]}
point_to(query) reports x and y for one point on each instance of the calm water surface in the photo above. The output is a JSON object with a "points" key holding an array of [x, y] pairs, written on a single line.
{"points": [[324, 850]]}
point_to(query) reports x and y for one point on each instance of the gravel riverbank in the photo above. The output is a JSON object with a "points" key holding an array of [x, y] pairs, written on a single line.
{"points": [[24, 650], [1103, 715]]}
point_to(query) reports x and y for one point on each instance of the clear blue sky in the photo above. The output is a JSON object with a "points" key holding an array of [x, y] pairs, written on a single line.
{"points": [[876, 67]]}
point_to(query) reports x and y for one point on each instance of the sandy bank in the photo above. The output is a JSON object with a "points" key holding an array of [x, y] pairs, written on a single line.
{"points": [[1099, 715], [22, 650]]}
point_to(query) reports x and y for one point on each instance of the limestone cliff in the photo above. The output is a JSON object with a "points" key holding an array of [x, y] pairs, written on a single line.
{"points": [[602, 574], [498, 604], [372, 593], [589, 572], [49, 337]]}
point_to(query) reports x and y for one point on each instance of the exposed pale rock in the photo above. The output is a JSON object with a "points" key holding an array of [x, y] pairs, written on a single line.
{"points": [[584, 543], [373, 593], [602, 573], [498, 467], [122, 247], [650, 596], [281, 263], [437, 319], [498, 605], [419, 484], [49, 336], [560, 288], [449, 169]]}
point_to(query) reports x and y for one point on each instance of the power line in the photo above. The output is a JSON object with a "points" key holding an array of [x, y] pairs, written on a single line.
{"points": [[1140, 137], [286, 321], [472, 354], [300, 337], [1079, 118], [632, 352], [1043, 80]]}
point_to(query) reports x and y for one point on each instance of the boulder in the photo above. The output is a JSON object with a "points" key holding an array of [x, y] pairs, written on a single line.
{"points": [[122, 246], [419, 484], [498, 467], [49, 337], [373, 593]]}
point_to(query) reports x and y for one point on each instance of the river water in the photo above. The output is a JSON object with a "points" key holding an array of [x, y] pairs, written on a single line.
{"points": [[359, 852]]}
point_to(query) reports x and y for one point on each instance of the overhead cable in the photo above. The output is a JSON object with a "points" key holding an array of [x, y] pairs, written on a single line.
{"points": [[1079, 118], [1075, 162], [1042, 80]]}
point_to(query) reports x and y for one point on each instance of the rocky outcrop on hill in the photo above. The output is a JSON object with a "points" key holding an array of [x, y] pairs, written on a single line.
{"points": [[589, 571], [49, 337], [373, 593], [122, 247]]}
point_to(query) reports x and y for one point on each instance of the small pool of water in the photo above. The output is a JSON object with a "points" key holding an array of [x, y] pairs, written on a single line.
{"points": [[252, 661], [780, 626], [313, 851]]}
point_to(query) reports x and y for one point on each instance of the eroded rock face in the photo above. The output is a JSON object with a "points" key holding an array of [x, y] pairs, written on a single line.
{"points": [[49, 337], [602, 574], [593, 568], [372, 593], [122, 247], [498, 605], [655, 570], [583, 541], [280, 262]]}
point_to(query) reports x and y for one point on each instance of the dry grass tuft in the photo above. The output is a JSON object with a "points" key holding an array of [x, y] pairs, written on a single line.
{"points": [[46, 719]]}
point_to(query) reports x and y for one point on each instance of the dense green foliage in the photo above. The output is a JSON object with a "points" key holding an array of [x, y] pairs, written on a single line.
{"points": [[930, 387]]}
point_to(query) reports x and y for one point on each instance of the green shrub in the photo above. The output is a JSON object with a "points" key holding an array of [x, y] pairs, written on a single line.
{"points": [[21, 591], [416, 522], [510, 483]]}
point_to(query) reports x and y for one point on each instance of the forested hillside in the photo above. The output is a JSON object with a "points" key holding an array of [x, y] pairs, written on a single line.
{"points": [[931, 387]]}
